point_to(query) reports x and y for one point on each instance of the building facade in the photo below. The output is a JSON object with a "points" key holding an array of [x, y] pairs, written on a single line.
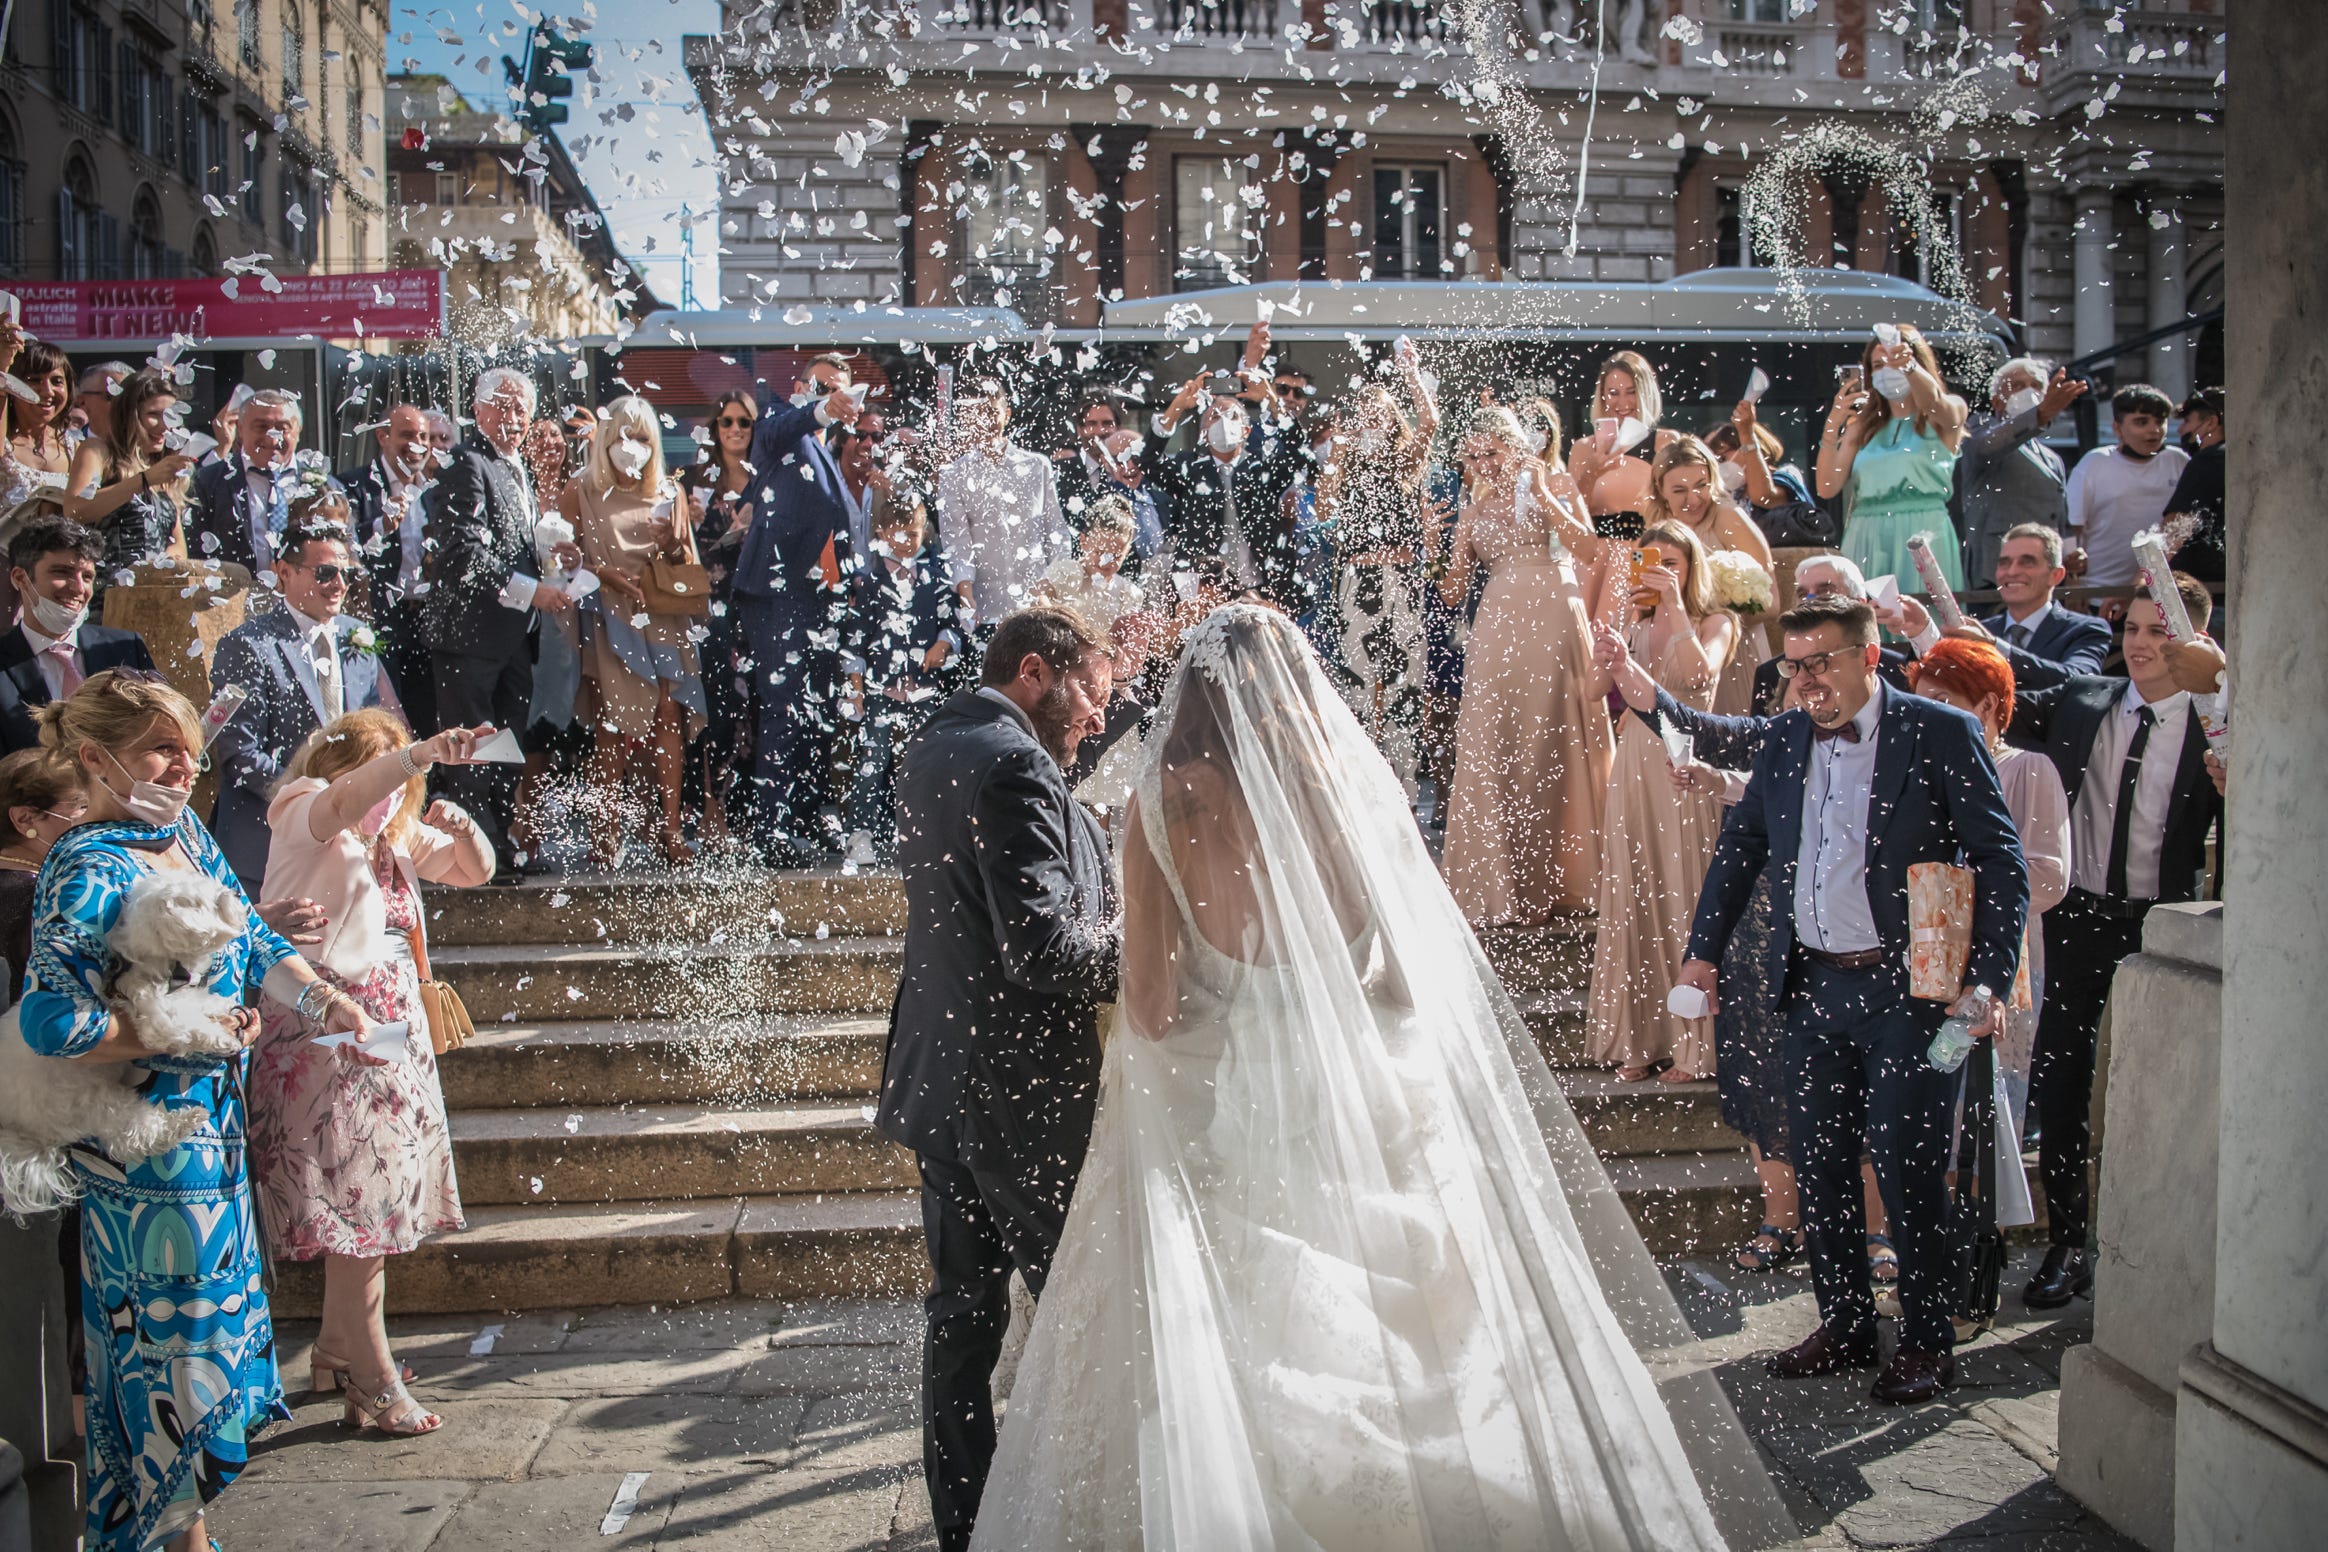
{"points": [[1052, 154], [141, 139], [506, 214]]}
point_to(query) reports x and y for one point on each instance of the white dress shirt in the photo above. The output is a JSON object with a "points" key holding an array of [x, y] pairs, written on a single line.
{"points": [[1830, 900], [1002, 524], [2095, 814], [319, 639], [52, 669], [401, 515]]}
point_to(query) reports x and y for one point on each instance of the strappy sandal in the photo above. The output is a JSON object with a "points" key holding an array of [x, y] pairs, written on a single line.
{"points": [[326, 1374], [393, 1412], [1786, 1245], [1634, 1074], [1883, 1263]]}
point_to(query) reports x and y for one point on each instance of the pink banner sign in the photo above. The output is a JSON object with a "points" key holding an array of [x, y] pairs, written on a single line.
{"points": [[393, 304]]}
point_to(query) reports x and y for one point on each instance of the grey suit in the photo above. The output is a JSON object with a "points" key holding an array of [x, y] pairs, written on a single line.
{"points": [[268, 657], [2004, 477]]}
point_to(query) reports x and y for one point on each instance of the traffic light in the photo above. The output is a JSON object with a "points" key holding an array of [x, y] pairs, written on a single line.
{"points": [[552, 61]]}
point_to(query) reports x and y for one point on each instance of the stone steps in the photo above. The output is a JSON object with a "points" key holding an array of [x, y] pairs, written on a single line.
{"points": [[701, 905], [517, 983], [666, 1154], [665, 1062]]}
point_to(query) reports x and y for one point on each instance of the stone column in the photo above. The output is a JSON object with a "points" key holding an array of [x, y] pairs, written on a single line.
{"points": [[2155, 1227], [2251, 1426], [2093, 327], [2170, 359]]}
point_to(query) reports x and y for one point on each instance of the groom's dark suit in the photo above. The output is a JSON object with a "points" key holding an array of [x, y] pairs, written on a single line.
{"points": [[1855, 1040], [992, 1072]]}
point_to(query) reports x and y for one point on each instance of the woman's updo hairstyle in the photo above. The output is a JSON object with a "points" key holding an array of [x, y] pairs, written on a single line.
{"points": [[113, 709]]}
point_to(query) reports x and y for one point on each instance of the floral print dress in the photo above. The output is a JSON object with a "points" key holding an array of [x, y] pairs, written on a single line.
{"points": [[351, 1159]]}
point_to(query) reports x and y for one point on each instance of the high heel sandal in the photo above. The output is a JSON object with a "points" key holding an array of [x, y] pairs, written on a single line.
{"points": [[393, 1412], [326, 1374], [671, 845]]}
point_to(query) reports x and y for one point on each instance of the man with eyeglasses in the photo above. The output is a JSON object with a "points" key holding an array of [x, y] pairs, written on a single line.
{"points": [[299, 667], [1851, 788], [1105, 461]]}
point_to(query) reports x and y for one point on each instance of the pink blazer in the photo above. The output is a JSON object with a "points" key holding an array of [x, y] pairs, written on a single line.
{"points": [[337, 875]]}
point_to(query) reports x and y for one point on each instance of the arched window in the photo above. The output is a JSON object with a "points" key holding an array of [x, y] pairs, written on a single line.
{"points": [[294, 55], [355, 106], [145, 238], [205, 259]]}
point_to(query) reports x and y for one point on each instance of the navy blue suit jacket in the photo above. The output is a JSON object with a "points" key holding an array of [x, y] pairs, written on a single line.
{"points": [[797, 505], [1935, 799], [2064, 645], [24, 689], [265, 656]]}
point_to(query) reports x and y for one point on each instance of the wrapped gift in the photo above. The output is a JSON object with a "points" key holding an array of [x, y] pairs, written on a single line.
{"points": [[1939, 929]]}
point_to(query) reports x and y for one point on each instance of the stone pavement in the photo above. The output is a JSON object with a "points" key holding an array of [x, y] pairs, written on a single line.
{"points": [[795, 1426]]}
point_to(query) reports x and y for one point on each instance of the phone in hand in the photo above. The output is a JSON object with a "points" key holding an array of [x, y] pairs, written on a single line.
{"points": [[1851, 378], [1645, 558]]}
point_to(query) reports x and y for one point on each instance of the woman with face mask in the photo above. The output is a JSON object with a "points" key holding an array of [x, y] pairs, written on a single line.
{"points": [[174, 1309], [129, 485], [641, 687], [1889, 450], [349, 1152]]}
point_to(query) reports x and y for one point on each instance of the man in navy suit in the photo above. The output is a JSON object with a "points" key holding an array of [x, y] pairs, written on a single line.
{"points": [[241, 504], [53, 562], [2044, 642], [301, 665], [2131, 753], [1847, 792], [790, 594]]}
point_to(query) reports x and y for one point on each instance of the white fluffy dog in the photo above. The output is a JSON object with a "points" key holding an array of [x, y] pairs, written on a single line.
{"points": [[170, 926]]}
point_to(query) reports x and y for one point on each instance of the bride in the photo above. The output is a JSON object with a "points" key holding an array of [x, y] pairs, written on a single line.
{"points": [[1341, 1272]]}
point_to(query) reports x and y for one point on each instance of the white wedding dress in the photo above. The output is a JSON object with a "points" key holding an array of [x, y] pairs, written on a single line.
{"points": [[1323, 1285]]}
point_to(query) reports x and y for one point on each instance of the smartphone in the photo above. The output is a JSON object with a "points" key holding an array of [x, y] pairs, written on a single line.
{"points": [[1851, 377], [1644, 558]]}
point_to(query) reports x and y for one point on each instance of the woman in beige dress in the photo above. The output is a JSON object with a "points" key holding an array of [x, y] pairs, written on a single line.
{"points": [[1655, 839], [640, 684], [1531, 748], [1686, 490]]}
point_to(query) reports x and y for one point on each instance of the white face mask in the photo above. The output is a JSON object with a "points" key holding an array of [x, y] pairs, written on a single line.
{"points": [[54, 619], [1733, 477], [2021, 401], [149, 802], [1225, 434], [1892, 383], [629, 457]]}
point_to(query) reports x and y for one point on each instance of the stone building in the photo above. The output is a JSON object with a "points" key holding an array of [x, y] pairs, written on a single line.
{"points": [[506, 214], [141, 139], [1060, 152]]}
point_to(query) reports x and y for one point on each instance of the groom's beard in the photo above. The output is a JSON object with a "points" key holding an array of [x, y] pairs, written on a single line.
{"points": [[1053, 721]]}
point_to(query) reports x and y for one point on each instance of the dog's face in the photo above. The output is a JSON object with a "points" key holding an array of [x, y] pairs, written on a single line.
{"points": [[174, 922]]}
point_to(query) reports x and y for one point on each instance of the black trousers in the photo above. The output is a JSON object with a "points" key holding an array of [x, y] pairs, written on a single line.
{"points": [[470, 690], [979, 1226], [404, 652], [2083, 944], [1859, 1081]]}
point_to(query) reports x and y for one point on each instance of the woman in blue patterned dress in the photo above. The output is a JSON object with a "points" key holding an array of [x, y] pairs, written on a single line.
{"points": [[181, 1350]]}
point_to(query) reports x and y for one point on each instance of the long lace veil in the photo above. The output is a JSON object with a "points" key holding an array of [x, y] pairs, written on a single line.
{"points": [[1341, 1255]]}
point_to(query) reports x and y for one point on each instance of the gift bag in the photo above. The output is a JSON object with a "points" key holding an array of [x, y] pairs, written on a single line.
{"points": [[1939, 929]]}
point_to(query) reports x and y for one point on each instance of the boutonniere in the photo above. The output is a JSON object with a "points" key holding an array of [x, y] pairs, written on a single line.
{"points": [[364, 640]]}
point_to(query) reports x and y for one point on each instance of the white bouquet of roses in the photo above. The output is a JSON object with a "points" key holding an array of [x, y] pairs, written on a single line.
{"points": [[1738, 583]]}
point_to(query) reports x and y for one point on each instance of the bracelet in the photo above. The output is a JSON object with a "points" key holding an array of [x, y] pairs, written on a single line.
{"points": [[407, 764], [309, 1006]]}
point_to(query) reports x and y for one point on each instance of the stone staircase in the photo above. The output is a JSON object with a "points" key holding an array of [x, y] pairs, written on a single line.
{"points": [[670, 1095]]}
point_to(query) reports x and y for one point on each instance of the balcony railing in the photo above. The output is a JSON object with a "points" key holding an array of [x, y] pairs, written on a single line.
{"points": [[1004, 15], [1393, 23], [1766, 49], [2149, 43], [1220, 20]]}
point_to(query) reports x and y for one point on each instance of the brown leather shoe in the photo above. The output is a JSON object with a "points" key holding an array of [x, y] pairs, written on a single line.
{"points": [[1822, 1352], [1914, 1377]]}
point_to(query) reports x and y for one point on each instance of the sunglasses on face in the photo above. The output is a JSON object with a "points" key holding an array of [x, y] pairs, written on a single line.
{"points": [[733, 422], [1099, 425], [329, 572]]}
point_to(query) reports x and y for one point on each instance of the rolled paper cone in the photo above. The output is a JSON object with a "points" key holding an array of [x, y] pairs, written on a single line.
{"points": [[2150, 554], [1935, 581]]}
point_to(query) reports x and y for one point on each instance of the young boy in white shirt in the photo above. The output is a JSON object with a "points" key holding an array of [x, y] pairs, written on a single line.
{"points": [[2117, 492]]}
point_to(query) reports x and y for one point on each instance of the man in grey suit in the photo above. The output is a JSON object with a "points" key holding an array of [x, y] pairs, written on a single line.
{"points": [[992, 1074], [300, 665], [2005, 476]]}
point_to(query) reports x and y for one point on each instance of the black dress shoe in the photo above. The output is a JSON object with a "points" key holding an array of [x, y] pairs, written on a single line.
{"points": [[1822, 1352], [2067, 1274], [1914, 1377]]}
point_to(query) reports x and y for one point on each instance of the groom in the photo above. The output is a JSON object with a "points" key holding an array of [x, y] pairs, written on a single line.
{"points": [[992, 1073], [1848, 791]]}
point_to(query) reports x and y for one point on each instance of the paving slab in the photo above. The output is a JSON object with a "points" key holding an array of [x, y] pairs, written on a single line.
{"points": [[828, 1370], [791, 1511], [492, 1439], [677, 1433], [860, 1430], [368, 1516], [584, 1374], [552, 1514]]}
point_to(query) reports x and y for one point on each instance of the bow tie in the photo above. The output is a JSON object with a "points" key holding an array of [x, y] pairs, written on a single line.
{"points": [[1848, 732]]}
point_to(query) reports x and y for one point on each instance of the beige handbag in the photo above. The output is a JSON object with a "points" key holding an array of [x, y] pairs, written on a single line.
{"points": [[448, 1017], [677, 586]]}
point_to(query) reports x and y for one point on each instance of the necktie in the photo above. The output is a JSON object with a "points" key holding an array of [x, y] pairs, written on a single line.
{"points": [[2018, 636], [68, 658], [327, 676], [1846, 731], [2122, 820]]}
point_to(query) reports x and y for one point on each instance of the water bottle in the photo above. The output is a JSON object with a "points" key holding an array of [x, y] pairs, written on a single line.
{"points": [[1955, 1041]]}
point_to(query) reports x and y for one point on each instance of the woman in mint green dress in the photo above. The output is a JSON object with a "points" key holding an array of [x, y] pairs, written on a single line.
{"points": [[1890, 452]]}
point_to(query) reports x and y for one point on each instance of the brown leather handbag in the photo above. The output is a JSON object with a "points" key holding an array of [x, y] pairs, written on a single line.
{"points": [[677, 586], [448, 1017]]}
